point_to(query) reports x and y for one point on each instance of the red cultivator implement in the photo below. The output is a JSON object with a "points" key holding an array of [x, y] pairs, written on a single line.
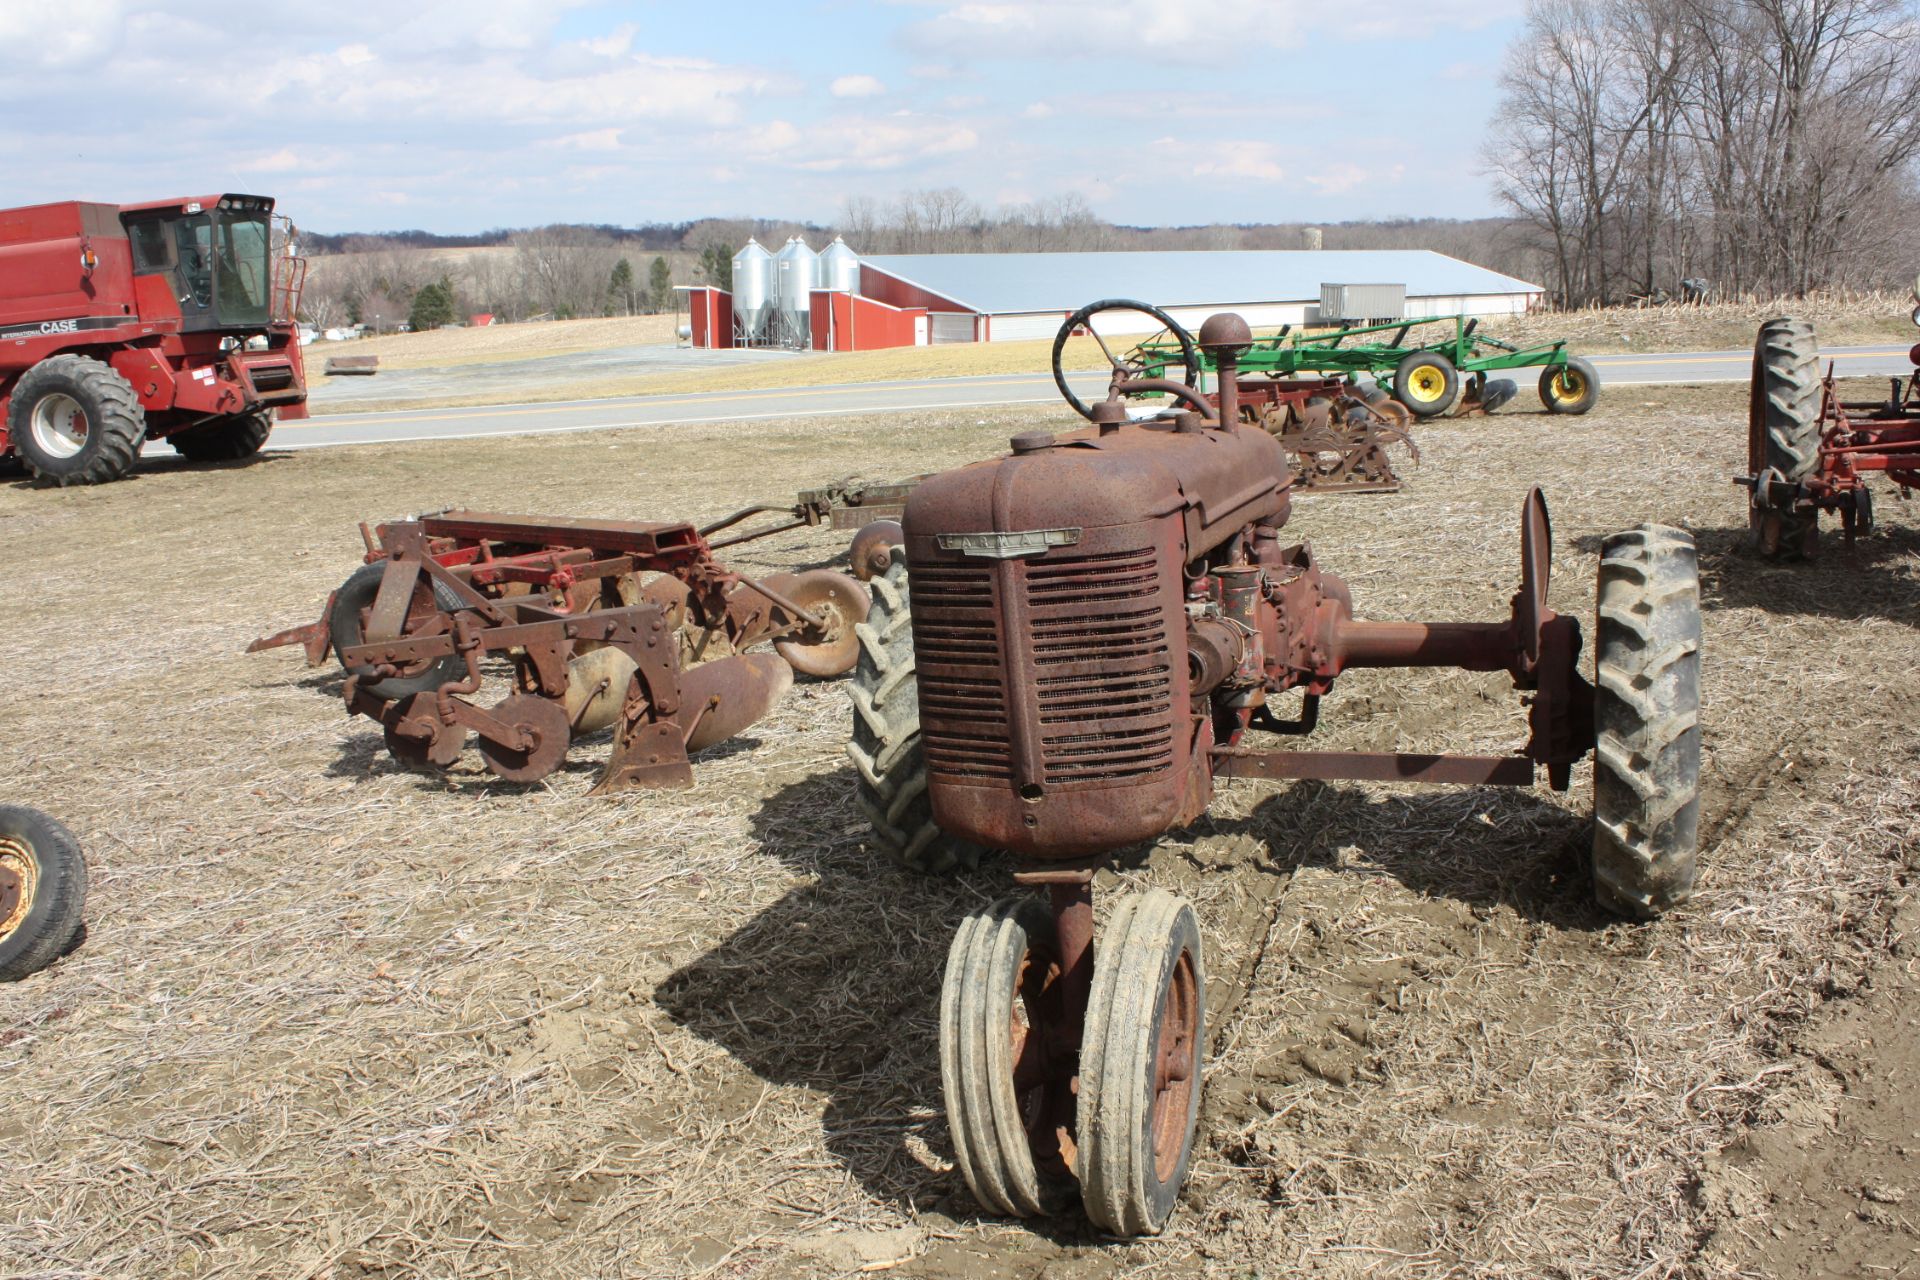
{"points": [[604, 624], [1809, 451]]}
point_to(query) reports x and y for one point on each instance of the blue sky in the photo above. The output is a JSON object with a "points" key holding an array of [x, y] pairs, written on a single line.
{"points": [[464, 116]]}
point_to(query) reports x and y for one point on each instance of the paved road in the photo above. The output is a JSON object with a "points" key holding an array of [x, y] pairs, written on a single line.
{"points": [[931, 393]]}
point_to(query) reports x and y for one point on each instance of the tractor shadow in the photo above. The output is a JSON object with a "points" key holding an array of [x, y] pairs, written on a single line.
{"points": [[1876, 577], [836, 987], [363, 757], [14, 476], [1486, 847]]}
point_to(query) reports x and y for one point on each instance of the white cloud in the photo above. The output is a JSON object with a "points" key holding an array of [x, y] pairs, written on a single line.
{"points": [[593, 140], [848, 144], [1038, 110], [856, 87], [76, 33], [1249, 161], [1337, 179], [1191, 32]]}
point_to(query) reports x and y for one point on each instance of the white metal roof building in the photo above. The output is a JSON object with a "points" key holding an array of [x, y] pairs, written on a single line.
{"points": [[1026, 295]]}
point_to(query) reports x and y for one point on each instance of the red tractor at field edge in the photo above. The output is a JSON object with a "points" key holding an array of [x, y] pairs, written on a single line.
{"points": [[171, 320]]}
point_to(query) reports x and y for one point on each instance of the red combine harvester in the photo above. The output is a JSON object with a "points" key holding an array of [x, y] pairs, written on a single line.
{"points": [[170, 320]]}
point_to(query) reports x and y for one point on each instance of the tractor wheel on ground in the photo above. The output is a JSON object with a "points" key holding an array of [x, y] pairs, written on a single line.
{"points": [[1427, 383], [1646, 761], [1569, 388], [43, 889], [1783, 430], [1011, 1118], [75, 421], [1140, 1064], [225, 439], [344, 625], [892, 786]]}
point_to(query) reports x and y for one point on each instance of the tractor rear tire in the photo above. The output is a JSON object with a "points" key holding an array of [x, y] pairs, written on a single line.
{"points": [[225, 439], [1646, 760], [892, 785], [1783, 430], [343, 627], [1427, 383], [1571, 388], [41, 921], [74, 420]]}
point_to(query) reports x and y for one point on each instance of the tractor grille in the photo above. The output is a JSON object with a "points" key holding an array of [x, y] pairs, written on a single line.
{"points": [[963, 704], [1103, 674], [1096, 667]]}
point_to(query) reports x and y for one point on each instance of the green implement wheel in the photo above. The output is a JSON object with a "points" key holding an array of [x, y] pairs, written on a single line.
{"points": [[1427, 383], [1569, 388]]}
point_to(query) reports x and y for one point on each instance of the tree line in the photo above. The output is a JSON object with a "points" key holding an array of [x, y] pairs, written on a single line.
{"points": [[1695, 148], [578, 271]]}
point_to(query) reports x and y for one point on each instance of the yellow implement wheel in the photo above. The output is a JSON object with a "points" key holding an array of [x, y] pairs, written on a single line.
{"points": [[43, 889], [1427, 383], [1569, 388]]}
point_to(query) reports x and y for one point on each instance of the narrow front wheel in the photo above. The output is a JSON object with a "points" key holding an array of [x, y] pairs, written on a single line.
{"points": [[1140, 1063], [1006, 1079]]}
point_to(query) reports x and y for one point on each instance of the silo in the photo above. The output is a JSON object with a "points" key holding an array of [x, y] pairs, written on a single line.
{"points": [[839, 268], [795, 269], [752, 293]]}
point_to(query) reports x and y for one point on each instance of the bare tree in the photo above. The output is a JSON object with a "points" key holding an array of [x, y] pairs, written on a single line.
{"points": [[1769, 144]]}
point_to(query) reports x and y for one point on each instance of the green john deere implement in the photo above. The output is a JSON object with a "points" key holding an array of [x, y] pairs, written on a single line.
{"points": [[1428, 376]]}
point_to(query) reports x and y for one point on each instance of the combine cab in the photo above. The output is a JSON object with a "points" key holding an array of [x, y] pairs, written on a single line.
{"points": [[125, 323]]}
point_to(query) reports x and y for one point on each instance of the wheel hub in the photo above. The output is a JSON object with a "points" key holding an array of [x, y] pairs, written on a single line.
{"points": [[1174, 1062], [59, 425], [19, 875]]}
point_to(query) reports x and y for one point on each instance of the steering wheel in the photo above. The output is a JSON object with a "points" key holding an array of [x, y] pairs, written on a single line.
{"points": [[1189, 353]]}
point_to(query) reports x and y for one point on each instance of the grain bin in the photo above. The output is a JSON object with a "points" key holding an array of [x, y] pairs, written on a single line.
{"points": [[795, 272], [752, 293]]}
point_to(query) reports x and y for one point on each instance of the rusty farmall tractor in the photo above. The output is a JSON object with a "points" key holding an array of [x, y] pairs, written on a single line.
{"points": [[1077, 639], [1808, 451], [170, 320], [604, 623]]}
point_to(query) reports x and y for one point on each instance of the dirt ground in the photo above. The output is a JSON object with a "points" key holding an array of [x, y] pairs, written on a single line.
{"points": [[334, 1019]]}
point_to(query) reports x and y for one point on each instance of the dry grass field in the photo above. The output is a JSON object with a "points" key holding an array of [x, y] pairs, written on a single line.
{"points": [[334, 1019]]}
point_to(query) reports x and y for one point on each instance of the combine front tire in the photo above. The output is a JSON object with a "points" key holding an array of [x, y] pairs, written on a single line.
{"points": [[75, 421], [1783, 432], [43, 888], [892, 786], [225, 439], [1646, 764]]}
